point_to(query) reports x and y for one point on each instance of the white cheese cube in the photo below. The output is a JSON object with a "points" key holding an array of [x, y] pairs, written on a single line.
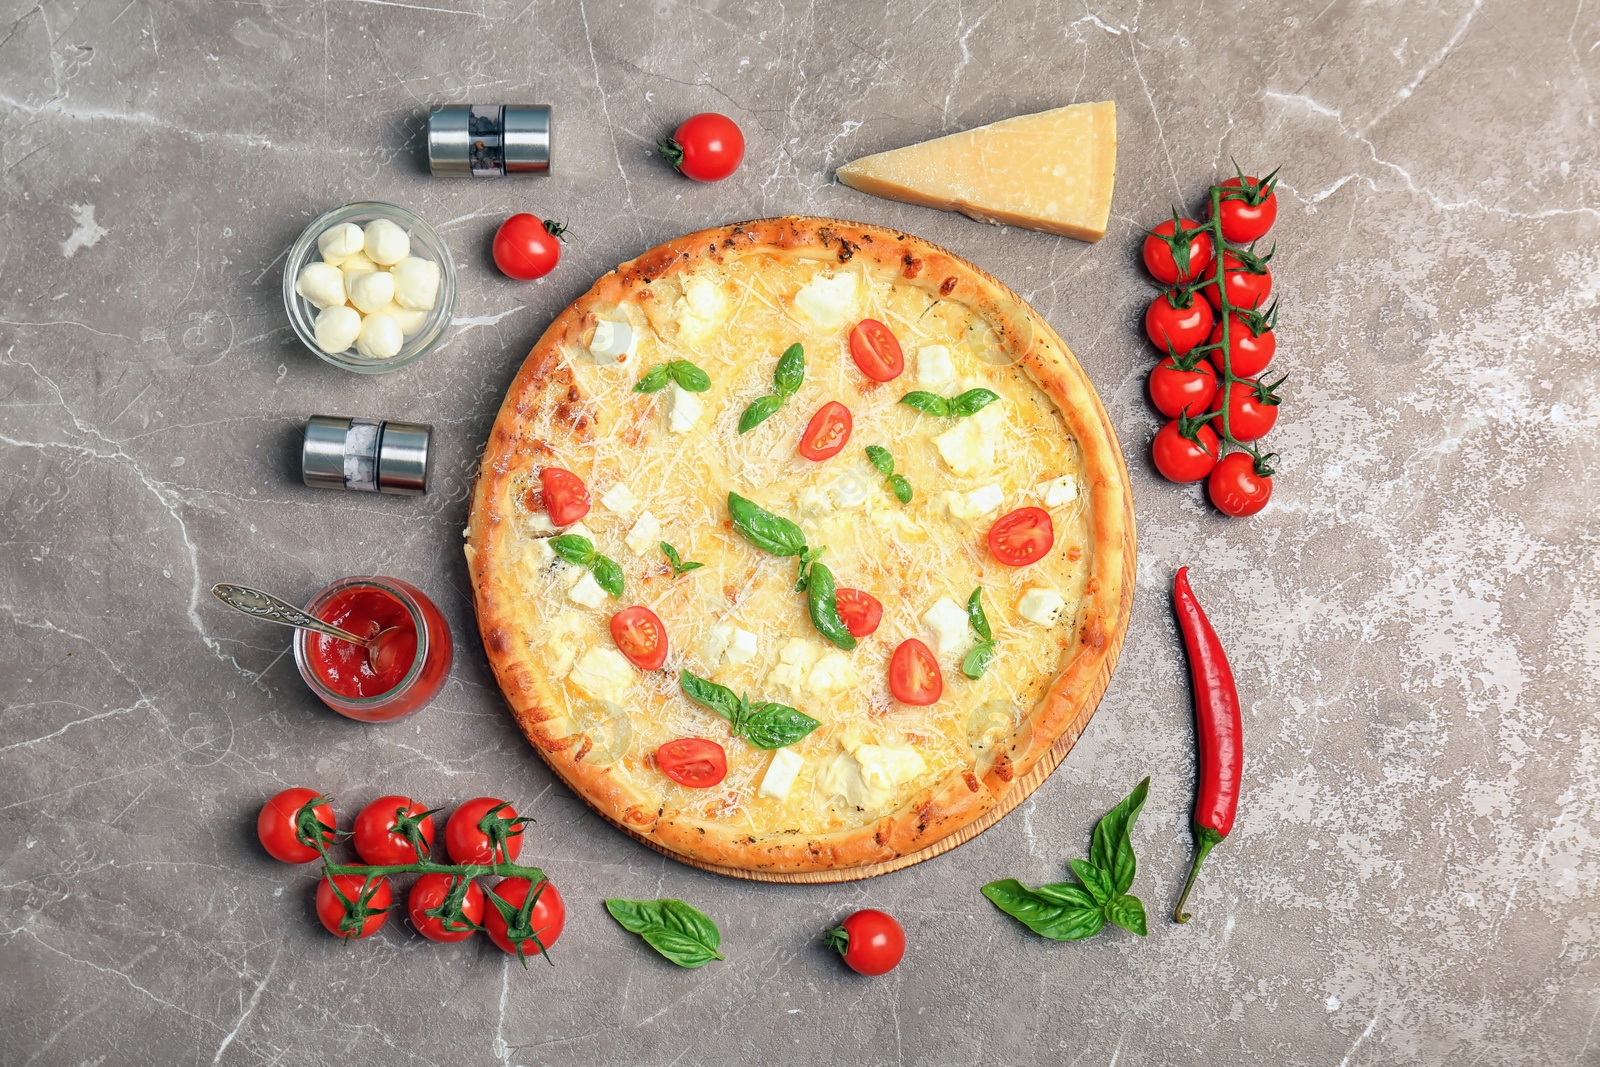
{"points": [[370, 291], [701, 309], [966, 449], [715, 644], [416, 283], [337, 328], [1059, 491], [613, 342], [411, 322], [935, 369], [832, 673], [380, 337], [742, 647], [339, 243], [683, 409], [781, 773], [321, 284], [1042, 606], [827, 301], [795, 661], [985, 500], [885, 767], [952, 635], [603, 673], [563, 642], [620, 500], [587, 592], [385, 243], [538, 523], [580, 529], [850, 490], [645, 537]]}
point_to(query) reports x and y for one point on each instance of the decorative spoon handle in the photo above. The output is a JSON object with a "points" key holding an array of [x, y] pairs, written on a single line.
{"points": [[266, 606]]}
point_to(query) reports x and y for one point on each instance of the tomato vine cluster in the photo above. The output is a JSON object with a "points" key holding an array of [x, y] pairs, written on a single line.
{"points": [[1211, 384]]}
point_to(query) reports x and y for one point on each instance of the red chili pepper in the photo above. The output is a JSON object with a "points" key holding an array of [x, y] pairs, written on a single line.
{"points": [[1219, 730]]}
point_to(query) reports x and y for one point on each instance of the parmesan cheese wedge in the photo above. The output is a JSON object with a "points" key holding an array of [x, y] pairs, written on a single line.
{"points": [[1052, 171]]}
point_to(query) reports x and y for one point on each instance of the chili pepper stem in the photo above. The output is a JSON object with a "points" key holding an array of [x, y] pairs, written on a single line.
{"points": [[1206, 839]]}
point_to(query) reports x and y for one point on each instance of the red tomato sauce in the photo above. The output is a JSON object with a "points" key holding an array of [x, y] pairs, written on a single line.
{"points": [[344, 667]]}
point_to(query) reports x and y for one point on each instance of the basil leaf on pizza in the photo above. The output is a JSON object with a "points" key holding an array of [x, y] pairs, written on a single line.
{"points": [[972, 401], [958, 407], [759, 411], [654, 380], [822, 602], [680, 932], [927, 403], [768, 532], [880, 458], [688, 376], [574, 548], [607, 574], [791, 371], [708, 694], [771, 725]]}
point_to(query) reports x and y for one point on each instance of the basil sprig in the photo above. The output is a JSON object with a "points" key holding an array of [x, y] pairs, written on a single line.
{"points": [[768, 532], [881, 459], [679, 565], [767, 725], [952, 407], [823, 604], [977, 661], [688, 376], [579, 551], [1064, 911], [786, 381], [681, 932]]}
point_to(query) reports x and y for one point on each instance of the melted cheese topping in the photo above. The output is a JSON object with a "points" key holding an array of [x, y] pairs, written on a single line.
{"points": [[871, 753]]}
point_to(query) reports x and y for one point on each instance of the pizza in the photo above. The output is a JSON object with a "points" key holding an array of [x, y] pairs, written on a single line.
{"points": [[801, 546]]}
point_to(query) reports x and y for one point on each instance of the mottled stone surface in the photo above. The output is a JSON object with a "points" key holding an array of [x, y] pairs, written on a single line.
{"points": [[1415, 621]]}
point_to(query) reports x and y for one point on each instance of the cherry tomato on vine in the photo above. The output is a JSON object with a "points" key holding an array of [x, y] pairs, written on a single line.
{"points": [[1248, 279], [1172, 260], [870, 941], [278, 825], [1181, 457], [640, 636], [1252, 408], [876, 351], [914, 676], [362, 909], [1021, 537], [1172, 327], [484, 831], [860, 611], [707, 147], [430, 893], [1250, 212], [1251, 343], [381, 836], [545, 921], [1179, 387], [827, 433], [566, 498], [1240, 485], [693, 761], [526, 248]]}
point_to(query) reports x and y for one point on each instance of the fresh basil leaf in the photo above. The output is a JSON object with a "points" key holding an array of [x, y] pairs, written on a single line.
{"points": [[1112, 847], [977, 661], [574, 548], [1128, 913], [680, 932], [791, 370], [759, 411], [655, 379], [692, 565], [927, 403], [1074, 896], [1096, 881], [770, 725], [822, 602], [768, 532], [708, 694], [901, 487], [975, 615], [607, 574], [1042, 914], [671, 554], [971, 402], [881, 459], [688, 376]]}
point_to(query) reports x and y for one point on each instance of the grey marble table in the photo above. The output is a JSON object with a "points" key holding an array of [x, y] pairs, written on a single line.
{"points": [[1415, 620]]}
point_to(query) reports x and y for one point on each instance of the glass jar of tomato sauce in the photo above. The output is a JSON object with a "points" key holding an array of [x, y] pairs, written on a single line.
{"points": [[339, 672]]}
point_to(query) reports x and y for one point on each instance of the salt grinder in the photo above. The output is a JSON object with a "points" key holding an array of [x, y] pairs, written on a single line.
{"points": [[489, 140], [365, 455]]}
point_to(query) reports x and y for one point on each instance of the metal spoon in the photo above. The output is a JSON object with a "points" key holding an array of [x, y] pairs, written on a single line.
{"points": [[381, 646]]}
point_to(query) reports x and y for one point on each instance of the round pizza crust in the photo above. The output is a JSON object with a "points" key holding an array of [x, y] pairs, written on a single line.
{"points": [[939, 816]]}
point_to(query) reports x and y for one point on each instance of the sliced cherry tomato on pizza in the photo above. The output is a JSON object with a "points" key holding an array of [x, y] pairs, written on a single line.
{"points": [[1240, 485], [859, 610], [1176, 321], [1184, 450], [914, 676], [393, 830], [640, 636], [1022, 537], [280, 823], [566, 498], [431, 893], [1247, 277], [827, 432], [1250, 211], [693, 761], [484, 830], [1163, 249], [876, 351], [356, 908], [870, 941]]}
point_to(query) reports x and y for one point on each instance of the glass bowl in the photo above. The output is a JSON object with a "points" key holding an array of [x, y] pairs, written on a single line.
{"points": [[425, 243], [422, 681]]}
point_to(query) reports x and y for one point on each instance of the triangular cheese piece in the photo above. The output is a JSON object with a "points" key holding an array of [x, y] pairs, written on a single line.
{"points": [[1051, 171]]}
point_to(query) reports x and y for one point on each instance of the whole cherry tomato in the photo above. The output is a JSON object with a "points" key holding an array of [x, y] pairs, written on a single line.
{"points": [[1174, 327], [1022, 537], [1182, 385], [392, 830], [433, 892], [1248, 279], [1240, 485], [278, 825], [876, 351], [526, 248], [1172, 259], [693, 761], [566, 498], [639, 635], [1250, 212], [544, 923], [914, 676], [356, 908], [707, 147], [859, 611], [870, 941], [484, 831], [1183, 456], [827, 433], [1251, 342], [1252, 408]]}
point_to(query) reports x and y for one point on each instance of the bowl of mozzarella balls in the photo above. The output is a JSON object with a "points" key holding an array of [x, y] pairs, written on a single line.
{"points": [[369, 287]]}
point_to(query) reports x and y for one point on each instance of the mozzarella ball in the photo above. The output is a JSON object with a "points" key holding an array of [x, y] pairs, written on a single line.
{"points": [[416, 283], [380, 337], [370, 290], [321, 284], [356, 264], [337, 328], [340, 243], [386, 243], [411, 321]]}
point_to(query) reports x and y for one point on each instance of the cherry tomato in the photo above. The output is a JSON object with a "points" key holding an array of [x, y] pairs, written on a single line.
{"points": [[1162, 250], [526, 248], [566, 498], [827, 432], [278, 825], [1182, 459], [639, 635], [707, 147], [876, 351], [545, 921], [860, 611], [380, 836], [1243, 221], [429, 894], [1176, 389], [1177, 329], [914, 674], [478, 828], [1239, 485], [870, 941], [1252, 409], [1022, 537], [369, 900], [1251, 344], [1247, 287], [693, 761]]}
